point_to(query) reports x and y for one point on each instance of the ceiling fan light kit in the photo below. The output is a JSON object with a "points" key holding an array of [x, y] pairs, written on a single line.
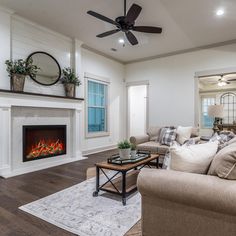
{"points": [[126, 24]]}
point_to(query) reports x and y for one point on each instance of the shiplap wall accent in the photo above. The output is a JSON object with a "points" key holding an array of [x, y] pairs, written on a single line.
{"points": [[28, 37]]}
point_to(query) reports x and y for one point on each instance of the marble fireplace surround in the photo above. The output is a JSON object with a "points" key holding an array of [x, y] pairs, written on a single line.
{"points": [[18, 109]]}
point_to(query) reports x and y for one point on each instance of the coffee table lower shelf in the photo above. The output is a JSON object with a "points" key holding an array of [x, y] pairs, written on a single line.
{"points": [[131, 179]]}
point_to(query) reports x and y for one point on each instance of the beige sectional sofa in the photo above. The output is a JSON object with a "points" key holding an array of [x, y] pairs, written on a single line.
{"points": [[150, 141], [176, 203], [184, 204]]}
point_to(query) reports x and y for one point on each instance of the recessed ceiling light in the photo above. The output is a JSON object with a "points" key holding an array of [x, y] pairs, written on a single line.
{"points": [[122, 41], [220, 12]]}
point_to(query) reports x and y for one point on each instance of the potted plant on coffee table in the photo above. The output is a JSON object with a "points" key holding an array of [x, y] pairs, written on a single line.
{"points": [[18, 70], [70, 81], [124, 149]]}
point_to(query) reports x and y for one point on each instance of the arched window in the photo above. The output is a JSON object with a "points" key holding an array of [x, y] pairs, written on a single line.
{"points": [[229, 102]]}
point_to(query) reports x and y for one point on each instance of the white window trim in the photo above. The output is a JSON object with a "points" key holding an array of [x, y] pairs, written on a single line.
{"points": [[102, 80]]}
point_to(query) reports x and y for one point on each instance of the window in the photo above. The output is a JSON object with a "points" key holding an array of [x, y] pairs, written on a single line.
{"points": [[97, 107], [207, 122], [229, 102]]}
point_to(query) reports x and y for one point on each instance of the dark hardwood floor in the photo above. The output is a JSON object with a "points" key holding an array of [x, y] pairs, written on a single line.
{"points": [[23, 189]]}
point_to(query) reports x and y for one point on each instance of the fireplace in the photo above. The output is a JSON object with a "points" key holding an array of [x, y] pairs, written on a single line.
{"points": [[43, 141]]}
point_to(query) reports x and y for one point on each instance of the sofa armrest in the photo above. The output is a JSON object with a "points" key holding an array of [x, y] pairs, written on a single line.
{"points": [[200, 191], [139, 139]]}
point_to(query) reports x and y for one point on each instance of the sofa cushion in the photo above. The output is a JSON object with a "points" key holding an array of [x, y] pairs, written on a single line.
{"points": [[233, 140], [154, 147], [194, 158], [168, 137], [224, 163], [183, 134], [154, 133]]}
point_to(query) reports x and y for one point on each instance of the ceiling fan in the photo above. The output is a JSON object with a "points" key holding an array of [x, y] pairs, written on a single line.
{"points": [[223, 80], [126, 24]]}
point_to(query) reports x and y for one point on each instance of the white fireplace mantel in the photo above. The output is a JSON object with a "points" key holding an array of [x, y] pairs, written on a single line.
{"points": [[10, 100]]}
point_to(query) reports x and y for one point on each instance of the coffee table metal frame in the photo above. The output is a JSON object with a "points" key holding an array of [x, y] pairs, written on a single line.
{"points": [[123, 171]]}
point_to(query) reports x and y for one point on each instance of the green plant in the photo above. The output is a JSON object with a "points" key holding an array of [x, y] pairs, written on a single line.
{"points": [[69, 77], [21, 67], [133, 146], [124, 144]]}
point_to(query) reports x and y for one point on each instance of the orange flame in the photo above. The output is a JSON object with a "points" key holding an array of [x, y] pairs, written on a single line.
{"points": [[43, 148]]}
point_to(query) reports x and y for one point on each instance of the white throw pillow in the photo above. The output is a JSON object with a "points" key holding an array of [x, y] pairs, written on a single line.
{"points": [[194, 158], [183, 134]]}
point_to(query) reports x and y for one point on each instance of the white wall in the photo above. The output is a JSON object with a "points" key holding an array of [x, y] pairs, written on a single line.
{"points": [[172, 85], [114, 71], [5, 49], [20, 37]]}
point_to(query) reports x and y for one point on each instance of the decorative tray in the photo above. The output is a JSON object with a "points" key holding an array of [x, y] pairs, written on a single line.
{"points": [[141, 155]]}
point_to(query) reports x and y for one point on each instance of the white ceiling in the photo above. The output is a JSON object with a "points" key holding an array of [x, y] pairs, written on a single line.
{"points": [[186, 23]]}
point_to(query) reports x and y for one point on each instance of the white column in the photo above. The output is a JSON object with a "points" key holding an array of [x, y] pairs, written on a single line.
{"points": [[5, 140], [76, 134], [77, 65]]}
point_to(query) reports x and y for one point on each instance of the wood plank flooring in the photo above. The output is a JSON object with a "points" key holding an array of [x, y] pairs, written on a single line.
{"points": [[20, 190]]}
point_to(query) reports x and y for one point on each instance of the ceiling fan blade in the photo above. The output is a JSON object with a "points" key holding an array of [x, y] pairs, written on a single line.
{"points": [[108, 33], [147, 29], [132, 39], [133, 13], [103, 18], [231, 80]]}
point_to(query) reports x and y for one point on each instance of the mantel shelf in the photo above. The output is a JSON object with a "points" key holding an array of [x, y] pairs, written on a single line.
{"points": [[39, 94]]}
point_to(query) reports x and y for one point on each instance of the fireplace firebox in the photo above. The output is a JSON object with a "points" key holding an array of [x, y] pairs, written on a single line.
{"points": [[43, 141]]}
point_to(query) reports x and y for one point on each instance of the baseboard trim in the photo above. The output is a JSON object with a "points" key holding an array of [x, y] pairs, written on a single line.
{"points": [[99, 149], [26, 170]]}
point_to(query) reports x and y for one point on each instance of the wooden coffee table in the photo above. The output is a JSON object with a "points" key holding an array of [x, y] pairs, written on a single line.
{"points": [[125, 184]]}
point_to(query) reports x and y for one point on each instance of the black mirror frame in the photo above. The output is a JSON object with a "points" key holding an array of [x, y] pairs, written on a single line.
{"points": [[59, 76]]}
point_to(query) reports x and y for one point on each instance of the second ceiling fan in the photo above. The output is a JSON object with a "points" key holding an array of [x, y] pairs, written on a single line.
{"points": [[126, 24]]}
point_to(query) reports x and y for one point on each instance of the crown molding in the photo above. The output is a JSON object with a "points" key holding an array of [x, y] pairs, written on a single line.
{"points": [[214, 45], [6, 10]]}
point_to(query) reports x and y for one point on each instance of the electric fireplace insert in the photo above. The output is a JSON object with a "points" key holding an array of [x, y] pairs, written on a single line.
{"points": [[43, 141]]}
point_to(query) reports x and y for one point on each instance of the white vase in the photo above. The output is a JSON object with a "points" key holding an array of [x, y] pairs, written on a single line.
{"points": [[133, 154], [124, 153]]}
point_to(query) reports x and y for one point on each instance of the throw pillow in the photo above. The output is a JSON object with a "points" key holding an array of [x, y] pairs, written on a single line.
{"points": [[195, 132], [194, 158], [162, 132], [224, 138], [168, 137], [183, 134], [154, 133], [224, 163]]}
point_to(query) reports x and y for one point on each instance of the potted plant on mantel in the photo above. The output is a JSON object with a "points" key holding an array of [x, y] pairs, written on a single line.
{"points": [[18, 70], [70, 81], [124, 149]]}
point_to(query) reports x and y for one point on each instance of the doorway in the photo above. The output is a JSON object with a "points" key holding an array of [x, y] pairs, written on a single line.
{"points": [[137, 109]]}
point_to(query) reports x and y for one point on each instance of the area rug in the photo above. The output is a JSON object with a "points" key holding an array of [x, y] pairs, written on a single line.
{"points": [[77, 211]]}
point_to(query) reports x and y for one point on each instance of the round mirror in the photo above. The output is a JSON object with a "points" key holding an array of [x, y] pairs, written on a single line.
{"points": [[49, 72]]}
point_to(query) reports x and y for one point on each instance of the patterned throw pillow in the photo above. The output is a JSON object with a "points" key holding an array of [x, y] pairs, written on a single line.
{"points": [[169, 137], [224, 137]]}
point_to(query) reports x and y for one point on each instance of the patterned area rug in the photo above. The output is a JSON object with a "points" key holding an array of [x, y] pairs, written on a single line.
{"points": [[77, 211]]}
